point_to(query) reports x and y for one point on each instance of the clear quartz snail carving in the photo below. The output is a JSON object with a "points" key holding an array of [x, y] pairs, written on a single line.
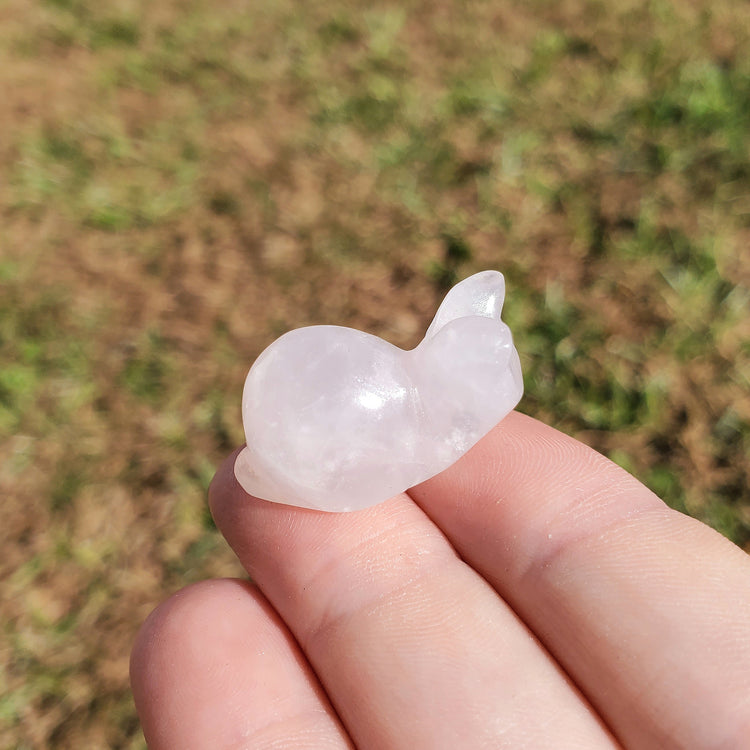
{"points": [[337, 420]]}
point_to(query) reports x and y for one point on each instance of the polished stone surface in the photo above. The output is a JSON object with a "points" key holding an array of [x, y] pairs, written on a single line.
{"points": [[336, 419]]}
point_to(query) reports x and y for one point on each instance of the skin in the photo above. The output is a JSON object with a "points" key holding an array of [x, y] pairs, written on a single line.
{"points": [[534, 595]]}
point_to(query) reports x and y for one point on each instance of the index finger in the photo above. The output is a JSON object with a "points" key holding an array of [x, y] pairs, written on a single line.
{"points": [[648, 610]]}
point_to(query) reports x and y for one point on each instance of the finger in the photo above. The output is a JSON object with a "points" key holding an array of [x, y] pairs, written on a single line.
{"points": [[215, 667], [647, 609], [413, 648]]}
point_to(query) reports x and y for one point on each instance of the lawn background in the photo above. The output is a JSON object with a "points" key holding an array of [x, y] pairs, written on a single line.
{"points": [[183, 181]]}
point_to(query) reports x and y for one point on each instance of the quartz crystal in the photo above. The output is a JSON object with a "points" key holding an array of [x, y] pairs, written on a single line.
{"points": [[337, 419]]}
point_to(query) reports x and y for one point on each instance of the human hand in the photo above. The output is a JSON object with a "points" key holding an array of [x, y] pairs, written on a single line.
{"points": [[534, 595]]}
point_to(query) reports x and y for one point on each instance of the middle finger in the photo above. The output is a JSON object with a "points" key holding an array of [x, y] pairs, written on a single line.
{"points": [[414, 648]]}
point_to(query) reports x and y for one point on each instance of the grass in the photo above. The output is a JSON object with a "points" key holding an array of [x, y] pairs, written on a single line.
{"points": [[184, 182]]}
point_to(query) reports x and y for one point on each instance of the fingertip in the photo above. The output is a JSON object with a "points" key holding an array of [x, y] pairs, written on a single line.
{"points": [[214, 666], [173, 645], [224, 484]]}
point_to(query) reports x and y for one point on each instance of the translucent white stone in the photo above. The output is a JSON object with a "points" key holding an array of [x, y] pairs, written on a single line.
{"points": [[337, 419]]}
